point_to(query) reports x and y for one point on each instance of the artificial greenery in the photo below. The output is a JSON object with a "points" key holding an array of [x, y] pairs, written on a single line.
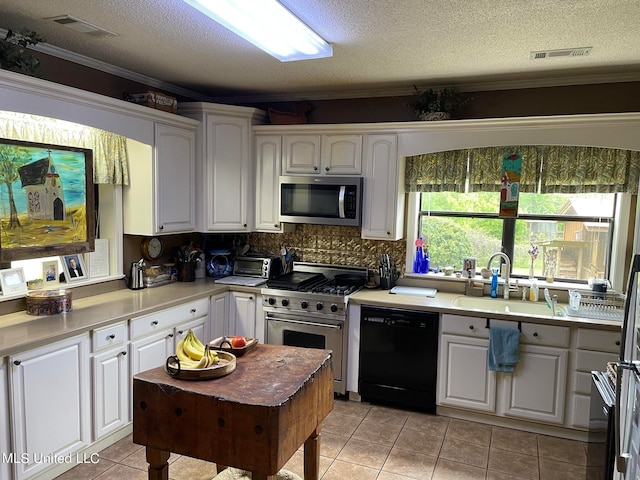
{"points": [[437, 100], [14, 53]]}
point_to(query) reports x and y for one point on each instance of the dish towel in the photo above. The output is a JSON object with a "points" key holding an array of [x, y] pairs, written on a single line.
{"points": [[504, 349]]}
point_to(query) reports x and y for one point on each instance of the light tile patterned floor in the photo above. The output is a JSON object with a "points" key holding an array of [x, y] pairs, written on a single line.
{"points": [[361, 441]]}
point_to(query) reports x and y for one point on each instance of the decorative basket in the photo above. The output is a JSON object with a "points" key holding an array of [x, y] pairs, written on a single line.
{"points": [[48, 302]]}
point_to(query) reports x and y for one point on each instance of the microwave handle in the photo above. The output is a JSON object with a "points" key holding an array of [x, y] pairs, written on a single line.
{"points": [[343, 190]]}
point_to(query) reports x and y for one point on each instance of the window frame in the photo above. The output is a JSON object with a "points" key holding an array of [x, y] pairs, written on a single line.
{"points": [[622, 227]]}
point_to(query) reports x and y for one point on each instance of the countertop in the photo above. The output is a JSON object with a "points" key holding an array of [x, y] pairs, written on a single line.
{"points": [[19, 331]]}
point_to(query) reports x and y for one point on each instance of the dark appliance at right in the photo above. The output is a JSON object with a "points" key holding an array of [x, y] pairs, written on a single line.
{"points": [[601, 435]]}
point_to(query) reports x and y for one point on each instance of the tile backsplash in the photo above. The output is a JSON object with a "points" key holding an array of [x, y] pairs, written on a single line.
{"points": [[331, 244]]}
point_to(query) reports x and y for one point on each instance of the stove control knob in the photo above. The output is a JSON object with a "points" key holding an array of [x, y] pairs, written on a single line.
{"points": [[285, 302], [272, 301], [319, 306], [304, 304], [334, 308]]}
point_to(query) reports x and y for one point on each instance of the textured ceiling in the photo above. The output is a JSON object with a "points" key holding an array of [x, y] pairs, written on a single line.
{"points": [[380, 47]]}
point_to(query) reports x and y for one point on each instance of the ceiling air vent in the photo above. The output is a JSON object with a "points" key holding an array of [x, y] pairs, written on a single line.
{"points": [[563, 52], [81, 26]]}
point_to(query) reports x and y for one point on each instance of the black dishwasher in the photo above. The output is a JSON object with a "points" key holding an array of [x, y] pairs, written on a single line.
{"points": [[398, 357]]}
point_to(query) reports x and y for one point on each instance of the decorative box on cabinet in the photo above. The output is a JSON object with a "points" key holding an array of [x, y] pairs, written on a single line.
{"points": [[110, 381], [225, 175], [383, 206], [50, 403], [160, 197]]}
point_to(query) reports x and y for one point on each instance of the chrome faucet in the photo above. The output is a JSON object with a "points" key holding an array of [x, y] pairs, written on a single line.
{"points": [[506, 270]]}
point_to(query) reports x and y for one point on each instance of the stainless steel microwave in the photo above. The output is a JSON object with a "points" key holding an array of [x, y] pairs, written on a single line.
{"points": [[323, 200]]}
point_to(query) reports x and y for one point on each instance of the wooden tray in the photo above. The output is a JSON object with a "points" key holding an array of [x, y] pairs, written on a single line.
{"points": [[225, 366], [224, 344]]}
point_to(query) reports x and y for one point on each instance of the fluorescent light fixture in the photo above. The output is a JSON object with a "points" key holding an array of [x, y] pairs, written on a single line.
{"points": [[268, 25]]}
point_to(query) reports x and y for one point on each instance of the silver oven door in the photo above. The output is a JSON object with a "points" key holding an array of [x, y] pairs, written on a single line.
{"points": [[303, 331]]}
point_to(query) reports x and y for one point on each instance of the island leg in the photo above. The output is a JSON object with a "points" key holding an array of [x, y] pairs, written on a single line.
{"points": [[158, 464], [312, 456]]}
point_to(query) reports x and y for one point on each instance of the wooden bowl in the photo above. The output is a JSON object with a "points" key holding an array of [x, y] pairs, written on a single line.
{"points": [[225, 366], [224, 344]]}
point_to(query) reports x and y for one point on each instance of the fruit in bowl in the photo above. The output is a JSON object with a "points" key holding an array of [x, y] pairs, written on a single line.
{"points": [[238, 342]]}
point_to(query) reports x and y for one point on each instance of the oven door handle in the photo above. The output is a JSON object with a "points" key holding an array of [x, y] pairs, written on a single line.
{"points": [[297, 322]]}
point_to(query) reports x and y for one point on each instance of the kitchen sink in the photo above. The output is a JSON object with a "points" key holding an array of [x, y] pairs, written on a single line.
{"points": [[502, 306]]}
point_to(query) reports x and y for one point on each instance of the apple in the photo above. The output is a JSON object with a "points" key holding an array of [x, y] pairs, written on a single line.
{"points": [[238, 342]]}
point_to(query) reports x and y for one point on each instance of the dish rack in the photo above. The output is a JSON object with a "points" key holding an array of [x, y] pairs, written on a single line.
{"points": [[607, 307]]}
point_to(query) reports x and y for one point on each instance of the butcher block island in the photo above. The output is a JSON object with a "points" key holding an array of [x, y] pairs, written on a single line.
{"points": [[254, 418]]}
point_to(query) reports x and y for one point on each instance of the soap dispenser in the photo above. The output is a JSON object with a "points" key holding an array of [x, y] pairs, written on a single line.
{"points": [[533, 290], [494, 283]]}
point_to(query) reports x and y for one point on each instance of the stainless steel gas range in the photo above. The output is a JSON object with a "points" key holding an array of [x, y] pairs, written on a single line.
{"points": [[308, 308]]}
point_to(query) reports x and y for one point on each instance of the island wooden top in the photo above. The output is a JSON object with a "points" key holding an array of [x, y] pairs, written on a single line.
{"points": [[254, 418]]}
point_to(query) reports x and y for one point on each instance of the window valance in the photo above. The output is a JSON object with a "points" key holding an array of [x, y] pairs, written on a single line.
{"points": [[110, 161], [545, 169]]}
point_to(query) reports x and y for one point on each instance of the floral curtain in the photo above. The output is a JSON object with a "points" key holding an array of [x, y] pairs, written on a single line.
{"points": [[110, 161], [545, 169]]}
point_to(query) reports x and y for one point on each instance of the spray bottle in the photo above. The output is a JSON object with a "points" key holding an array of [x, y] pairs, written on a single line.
{"points": [[494, 283]]}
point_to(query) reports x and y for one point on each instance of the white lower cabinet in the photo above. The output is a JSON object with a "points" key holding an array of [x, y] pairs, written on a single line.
{"points": [[243, 314], [5, 466], [536, 390], [110, 382], [219, 314], [50, 403], [152, 351]]}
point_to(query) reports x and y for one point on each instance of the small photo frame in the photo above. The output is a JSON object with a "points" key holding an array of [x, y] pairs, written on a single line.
{"points": [[50, 273], [12, 281], [74, 269]]}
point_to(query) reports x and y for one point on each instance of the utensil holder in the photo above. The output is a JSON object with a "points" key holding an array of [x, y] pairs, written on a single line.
{"points": [[186, 271]]}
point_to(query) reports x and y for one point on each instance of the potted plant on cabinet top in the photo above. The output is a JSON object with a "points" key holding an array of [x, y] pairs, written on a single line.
{"points": [[437, 103], [14, 53]]}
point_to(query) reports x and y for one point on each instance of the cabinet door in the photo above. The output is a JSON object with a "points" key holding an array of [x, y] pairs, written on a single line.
{"points": [[5, 466], [301, 154], [152, 351], [219, 315], [200, 327], [50, 401], [268, 151], [464, 379], [536, 389], [242, 314], [229, 174], [110, 391], [383, 206], [175, 179], [341, 154]]}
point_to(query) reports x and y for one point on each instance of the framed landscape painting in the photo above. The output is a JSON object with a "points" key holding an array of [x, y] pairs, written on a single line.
{"points": [[46, 200]]}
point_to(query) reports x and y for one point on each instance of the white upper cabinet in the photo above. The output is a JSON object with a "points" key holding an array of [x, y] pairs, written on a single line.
{"points": [[160, 197], [330, 154], [383, 205], [268, 154], [225, 172]]}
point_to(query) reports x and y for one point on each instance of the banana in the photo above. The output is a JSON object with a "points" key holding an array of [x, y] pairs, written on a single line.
{"points": [[196, 341], [180, 353], [212, 357], [190, 348]]}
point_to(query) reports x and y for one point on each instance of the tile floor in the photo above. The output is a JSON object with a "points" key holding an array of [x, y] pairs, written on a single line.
{"points": [[361, 441]]}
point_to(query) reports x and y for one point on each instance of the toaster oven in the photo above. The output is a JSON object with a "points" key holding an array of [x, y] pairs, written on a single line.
{"points": [[258, 265]]}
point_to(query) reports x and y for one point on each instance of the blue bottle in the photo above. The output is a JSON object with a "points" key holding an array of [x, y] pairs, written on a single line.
{"points": [[424, 266], [494, 283]]}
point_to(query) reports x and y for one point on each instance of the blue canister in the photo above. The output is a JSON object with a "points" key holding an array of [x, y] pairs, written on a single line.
{"points": [[220, 263]]}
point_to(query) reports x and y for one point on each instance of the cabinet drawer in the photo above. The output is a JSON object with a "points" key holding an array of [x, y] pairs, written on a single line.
{"points": [[164, 319], [108, 336], [549, 335], [464, 325], [599, 340], [586, 360]]}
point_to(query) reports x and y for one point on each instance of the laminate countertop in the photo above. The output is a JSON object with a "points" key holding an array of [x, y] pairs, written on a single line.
{"points": [[19, 331]]}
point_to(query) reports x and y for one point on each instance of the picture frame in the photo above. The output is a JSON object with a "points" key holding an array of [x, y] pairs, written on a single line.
{"points": [[72, 274], [49, 207], [50, 273], [12, 281]]}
